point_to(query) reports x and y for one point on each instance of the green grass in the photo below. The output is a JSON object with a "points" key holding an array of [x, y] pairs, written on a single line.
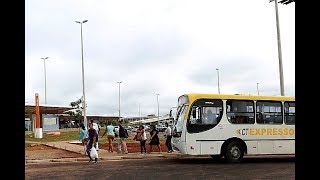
{"points": [[64, 136]]}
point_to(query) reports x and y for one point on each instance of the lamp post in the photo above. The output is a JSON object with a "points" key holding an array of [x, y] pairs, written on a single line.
{"points": [[85, 122], [218, 81], [45, 80], [279, 49], [119, 98], [139, 111], [258, 88], [158, 106]]}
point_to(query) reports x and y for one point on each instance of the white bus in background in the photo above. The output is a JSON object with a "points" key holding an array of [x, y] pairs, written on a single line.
{"points": [[231, 126]]}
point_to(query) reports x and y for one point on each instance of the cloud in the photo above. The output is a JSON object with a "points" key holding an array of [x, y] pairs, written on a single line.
{"points": [[155, 47]]}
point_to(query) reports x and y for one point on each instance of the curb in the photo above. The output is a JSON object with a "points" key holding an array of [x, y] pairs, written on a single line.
{"points": [[33, 161], [63, 160], [37, 161]]}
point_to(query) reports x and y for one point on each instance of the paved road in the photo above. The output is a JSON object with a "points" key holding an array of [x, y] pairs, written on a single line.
{"points": [[165, 169]]}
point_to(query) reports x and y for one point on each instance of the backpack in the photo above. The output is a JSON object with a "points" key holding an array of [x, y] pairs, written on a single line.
{"points": [[125, 133]]}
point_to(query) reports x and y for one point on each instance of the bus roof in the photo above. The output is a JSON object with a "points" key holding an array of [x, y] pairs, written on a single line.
{"points": [[194, 96]]}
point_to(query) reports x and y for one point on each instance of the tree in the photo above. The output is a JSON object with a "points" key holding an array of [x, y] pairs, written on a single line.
{"points": [[126, 121], [77, 111], [29, 112]]}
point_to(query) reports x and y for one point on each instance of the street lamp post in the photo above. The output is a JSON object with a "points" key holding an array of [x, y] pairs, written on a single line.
{"points": [[119, 99], [258, 88], [158, 106], [218, 81], [139, 112], [279, 49], [83, 90], [45, 80]]}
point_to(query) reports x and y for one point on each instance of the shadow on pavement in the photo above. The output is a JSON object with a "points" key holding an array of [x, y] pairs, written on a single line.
{"points": [[209, 160]]}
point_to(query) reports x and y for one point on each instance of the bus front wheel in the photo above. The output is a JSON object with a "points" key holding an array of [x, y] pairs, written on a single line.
{"points": [[234, 152]]}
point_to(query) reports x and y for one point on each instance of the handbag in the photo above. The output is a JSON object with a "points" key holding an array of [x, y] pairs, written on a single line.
{"points": [[93, 153], [139, 136]]}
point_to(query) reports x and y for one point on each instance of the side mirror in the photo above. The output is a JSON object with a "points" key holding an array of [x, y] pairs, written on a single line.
{"points": [[170, 114]]}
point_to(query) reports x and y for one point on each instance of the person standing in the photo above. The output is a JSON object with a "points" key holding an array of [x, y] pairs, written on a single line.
{"points": [[154, 139], [96, 127], [142, 137], [93, 135], [168, 135], [83, 136], [110, 135], [122, 139]]}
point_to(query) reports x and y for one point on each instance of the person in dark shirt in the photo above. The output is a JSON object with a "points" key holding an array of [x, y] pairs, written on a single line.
{"points": [[122, 140], [154, 138], [92, 139]]}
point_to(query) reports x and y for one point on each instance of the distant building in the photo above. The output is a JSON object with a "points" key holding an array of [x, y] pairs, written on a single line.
{"points": [[52, 118]]}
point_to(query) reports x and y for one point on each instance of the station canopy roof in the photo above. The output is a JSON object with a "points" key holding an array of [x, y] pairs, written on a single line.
{"points": [[151, 120], [47, 109]]}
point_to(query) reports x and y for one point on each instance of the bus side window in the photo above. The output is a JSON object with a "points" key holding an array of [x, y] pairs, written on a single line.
{"points": [[259, 117], [230, 115], [195, 115]]}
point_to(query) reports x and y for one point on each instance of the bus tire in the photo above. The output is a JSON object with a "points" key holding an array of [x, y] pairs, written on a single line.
{"points": [[216, 157], [234, 152]]}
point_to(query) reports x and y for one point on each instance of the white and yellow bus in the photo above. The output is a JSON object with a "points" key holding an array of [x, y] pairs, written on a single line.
{"points": [[231, 126]]}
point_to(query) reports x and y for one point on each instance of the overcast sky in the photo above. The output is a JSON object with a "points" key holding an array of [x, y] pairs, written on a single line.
{"points": [[165, 47]]}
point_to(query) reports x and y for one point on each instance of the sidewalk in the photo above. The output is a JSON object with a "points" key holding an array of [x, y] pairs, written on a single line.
{"points": [[103, 154]]}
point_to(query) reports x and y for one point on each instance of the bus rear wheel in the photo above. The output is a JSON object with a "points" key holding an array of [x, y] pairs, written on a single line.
{"points": [[234, 152]]}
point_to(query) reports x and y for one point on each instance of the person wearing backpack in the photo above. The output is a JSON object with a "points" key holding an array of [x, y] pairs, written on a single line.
{"points": [[123, 134]]}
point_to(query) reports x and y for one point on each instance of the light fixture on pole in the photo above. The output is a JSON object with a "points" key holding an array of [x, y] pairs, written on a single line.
{"points": [[279, 49], [258, 88], [85, 122], [45, 80], [158, 106], [119, 100], [218, 81]]}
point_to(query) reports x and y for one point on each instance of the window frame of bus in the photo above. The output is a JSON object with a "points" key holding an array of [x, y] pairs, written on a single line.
{"points": [[273, 122], [288, 114], [239, 113], [200, 103]]}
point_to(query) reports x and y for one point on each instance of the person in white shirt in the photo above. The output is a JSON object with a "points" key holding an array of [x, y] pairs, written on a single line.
{"points": [[96, 127], [168, 135]]}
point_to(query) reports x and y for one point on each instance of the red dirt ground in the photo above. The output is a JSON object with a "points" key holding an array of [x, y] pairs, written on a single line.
{"points": [[38, 151]]}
